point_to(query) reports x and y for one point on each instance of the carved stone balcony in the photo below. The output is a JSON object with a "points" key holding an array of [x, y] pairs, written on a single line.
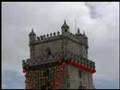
{"points": [[57, 58]]}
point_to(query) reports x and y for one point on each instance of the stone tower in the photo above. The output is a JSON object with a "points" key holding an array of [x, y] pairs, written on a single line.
{"points": [[59, 61]]}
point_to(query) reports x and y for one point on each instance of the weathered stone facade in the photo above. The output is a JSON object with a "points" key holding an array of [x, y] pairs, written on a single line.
{"points": [[55, 51]]}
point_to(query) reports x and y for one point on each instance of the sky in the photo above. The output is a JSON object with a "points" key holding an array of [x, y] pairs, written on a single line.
{"points": [[99, 20]]}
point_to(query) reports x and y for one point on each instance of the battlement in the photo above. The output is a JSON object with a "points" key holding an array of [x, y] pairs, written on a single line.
{"points": [[78, 38], [59, 57], [48, 36], [51, 36]]}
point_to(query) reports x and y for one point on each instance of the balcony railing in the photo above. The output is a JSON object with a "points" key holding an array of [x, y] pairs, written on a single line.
{"points": [[59, 56]]}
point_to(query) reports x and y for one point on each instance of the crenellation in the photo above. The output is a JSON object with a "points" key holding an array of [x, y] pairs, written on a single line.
{"points": [[47, 35], [58, 33], [38, 38], [44, 38], [73, 37], [41, 37], [79, 38], [50, 34], [69, 35], [54, 34], [55, 57]]}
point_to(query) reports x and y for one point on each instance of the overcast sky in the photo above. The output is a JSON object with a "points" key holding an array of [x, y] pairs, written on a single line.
{"points": [[100, 21]]}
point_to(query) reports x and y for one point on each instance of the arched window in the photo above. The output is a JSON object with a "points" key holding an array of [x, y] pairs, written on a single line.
{"points": [[65, 30]]}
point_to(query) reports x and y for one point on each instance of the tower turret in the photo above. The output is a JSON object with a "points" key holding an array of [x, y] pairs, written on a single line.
{"points": [[84, 35], [85, 39], [65, 27], [78, 31], [32, 36]]}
